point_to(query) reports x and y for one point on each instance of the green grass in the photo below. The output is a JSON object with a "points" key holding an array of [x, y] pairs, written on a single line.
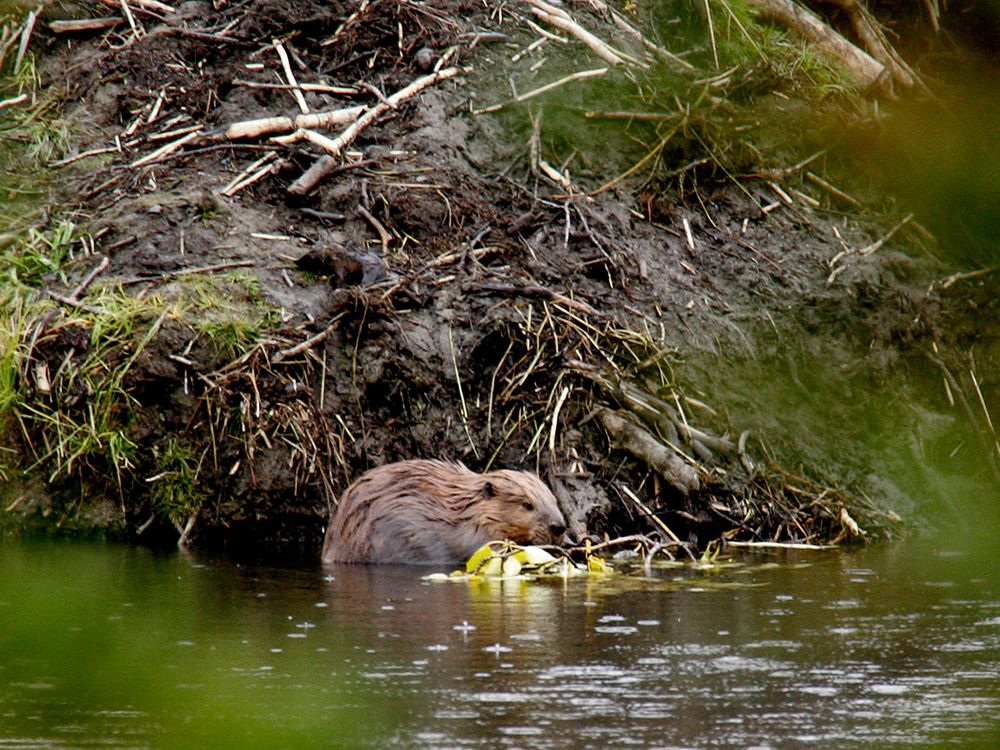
{"points": [[754, 98], [229, 310], [175, 492]]}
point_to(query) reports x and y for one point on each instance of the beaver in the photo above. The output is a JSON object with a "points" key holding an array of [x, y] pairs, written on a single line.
{"points": [[435, 512]]}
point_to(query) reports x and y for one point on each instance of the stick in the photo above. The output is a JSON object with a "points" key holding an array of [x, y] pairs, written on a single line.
{"points": [[869, 249], [70, 302], [268, 125], [648, 449], [562, 20], [347, 137], [29, 26], [246, 179], [12, 102], [321, 88], [649, 514], [869, 73], [537, 292], [309, 343], [623, 24], [89, 278], [131, 20], [780, 545], [84, 25], [555, 418], [290, 77], [383, 233], [542, 89], [336, 146], [166, 150], [832, 190], [153, 6], [237, 182], [316, 173], [189, 271]]}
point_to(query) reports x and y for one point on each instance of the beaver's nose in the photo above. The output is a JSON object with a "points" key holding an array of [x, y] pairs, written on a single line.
{"points": [[557, 530]]}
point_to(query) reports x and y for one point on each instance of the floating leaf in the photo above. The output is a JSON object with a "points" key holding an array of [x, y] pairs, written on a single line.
{"points": [[596, 564], [534, 556], [492, 568], [511, 566], [480, 556]]}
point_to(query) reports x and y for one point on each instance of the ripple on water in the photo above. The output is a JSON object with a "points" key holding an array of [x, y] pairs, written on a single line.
{"points": [[616, 629], [499, 697], [521, 731], [888, 689]]}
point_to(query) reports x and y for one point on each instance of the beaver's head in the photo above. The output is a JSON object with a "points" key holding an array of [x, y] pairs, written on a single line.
{"points": [[517, 505]]}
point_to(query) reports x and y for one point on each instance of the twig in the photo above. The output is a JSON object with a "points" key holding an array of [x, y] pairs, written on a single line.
{"points": [[623, 24], [537, 292], [89, 278], [71, 302], [269, 125], [336, 146], [711, 34], [555, 418], [578, 76], [780, 545], [834, 191], [383, 233], [562, 20], [317, 172], [309, 343], [956, 277], [76, 26], [152, 6], [464, 413], [136, 29], [290, 77], [649, 514], [166, 150], [29, 27], [320, 88], [190, 271], [651, 451], [868, 71], [12, 102], [186, 531], [869, 249], [263, 166]]}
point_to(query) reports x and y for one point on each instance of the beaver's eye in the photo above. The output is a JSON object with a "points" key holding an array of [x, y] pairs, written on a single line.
{"points": [[528, 505], [488, 489]]}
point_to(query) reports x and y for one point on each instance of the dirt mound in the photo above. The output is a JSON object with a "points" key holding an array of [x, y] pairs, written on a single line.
{"points": [[441, 291]]}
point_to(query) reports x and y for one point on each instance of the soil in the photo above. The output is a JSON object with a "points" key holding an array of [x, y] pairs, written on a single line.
{"points": [[459, 292]]}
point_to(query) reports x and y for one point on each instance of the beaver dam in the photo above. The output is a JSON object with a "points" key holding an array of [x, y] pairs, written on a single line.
{"points": [[662, 253]]}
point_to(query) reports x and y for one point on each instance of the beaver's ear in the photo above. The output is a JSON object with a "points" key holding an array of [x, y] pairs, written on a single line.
{"points": [[488, 489]]}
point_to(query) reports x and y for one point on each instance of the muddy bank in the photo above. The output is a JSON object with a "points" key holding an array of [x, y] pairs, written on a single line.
{"points": [[230, 340]]}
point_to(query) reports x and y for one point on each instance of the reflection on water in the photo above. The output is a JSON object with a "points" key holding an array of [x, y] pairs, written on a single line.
{"points": [[115, 647]]}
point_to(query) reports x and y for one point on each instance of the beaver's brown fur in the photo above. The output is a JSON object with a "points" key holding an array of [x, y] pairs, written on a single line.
{"points": [[432, 512]]}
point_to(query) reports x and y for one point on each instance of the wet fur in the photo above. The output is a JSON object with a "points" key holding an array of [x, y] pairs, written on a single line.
{"points": [[433, 512]]}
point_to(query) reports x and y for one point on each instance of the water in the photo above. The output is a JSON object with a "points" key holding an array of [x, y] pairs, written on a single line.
{"points": [[112, 647]]}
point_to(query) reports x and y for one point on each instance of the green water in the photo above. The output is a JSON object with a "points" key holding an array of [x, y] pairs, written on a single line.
{"points": [[111, 647]]}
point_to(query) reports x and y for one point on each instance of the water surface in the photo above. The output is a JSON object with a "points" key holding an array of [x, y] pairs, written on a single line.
{"points": [[113, 647]]}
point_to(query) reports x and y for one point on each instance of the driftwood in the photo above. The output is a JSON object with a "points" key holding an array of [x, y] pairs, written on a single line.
{"points": [[647, 448]]}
